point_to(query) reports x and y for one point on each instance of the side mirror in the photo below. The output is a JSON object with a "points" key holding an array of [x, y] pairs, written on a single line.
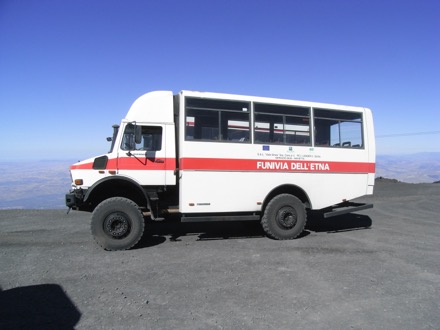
{"points": [[137, 134]]}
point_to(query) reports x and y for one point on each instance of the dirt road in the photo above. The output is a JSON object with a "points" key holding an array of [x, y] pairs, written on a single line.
{"points": [[378, 269]]}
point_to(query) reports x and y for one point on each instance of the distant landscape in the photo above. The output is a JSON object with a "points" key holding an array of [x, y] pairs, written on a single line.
{"points": [[34, 185], [411, 168], [43, 184]]}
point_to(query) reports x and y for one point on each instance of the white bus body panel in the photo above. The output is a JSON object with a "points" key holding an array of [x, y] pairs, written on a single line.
{"points": [[83, 170], [371, 147], [153, 107], [244, 191], [237, 177]]}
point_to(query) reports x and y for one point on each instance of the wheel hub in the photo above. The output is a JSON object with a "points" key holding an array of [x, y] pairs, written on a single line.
{"points": [[117, 225], [287, 217]]}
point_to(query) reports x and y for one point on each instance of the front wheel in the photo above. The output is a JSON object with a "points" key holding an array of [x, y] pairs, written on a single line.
{"points": [[117, 224], [284, 217]]}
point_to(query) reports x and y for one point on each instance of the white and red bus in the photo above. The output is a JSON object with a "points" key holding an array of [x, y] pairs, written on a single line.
{"points": [[211, 156]]}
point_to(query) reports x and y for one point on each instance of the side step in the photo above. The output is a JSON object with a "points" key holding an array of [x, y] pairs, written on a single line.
{"points": [[202, 218], [161, 212], [346, 207]]}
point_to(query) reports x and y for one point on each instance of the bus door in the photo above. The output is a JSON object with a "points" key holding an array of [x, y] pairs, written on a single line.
{"points": [[142, 155]]}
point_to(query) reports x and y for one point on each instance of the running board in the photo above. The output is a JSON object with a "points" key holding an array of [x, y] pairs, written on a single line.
{"points": [[346, 207], [202, 218]]}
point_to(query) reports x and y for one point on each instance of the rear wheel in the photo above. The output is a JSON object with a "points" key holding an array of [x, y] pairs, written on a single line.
{"points": [[117, 224], [284, 217]]}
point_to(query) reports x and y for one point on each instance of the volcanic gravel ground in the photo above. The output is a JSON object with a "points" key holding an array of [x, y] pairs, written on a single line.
{"points": [[377, 269]]}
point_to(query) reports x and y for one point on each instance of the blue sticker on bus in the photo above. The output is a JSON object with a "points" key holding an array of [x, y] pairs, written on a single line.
{"points": [[265, 148]]}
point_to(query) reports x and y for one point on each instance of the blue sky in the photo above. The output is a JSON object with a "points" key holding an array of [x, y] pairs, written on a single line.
{"points": [[71, 69]]}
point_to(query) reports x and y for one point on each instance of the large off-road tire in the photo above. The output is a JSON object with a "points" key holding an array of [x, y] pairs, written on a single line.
{"points": [[117, 224], [284, 217]]}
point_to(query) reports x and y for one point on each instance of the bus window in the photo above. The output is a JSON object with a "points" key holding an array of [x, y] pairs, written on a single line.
{"points": [[235, 126], [151, 138], [217, 120], [282, 124], [268, 129], [340, 129]]}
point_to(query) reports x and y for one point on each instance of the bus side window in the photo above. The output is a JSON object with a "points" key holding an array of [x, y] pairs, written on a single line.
{"points": [[217, 120], [282, 124], [339, 129], [151, 138]]}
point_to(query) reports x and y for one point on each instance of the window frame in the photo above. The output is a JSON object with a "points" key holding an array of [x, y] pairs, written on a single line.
{"points": [[289, 118], [224, 114], [287, 111], [143, 134], [357, 118]]}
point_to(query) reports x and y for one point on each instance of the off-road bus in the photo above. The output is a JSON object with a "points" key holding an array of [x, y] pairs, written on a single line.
{"points": [[220, 157]]}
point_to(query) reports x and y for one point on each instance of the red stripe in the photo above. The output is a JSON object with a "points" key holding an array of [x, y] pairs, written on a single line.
{"points": [[87, 166], [131, 163], [210, 164], [157, 164], [111, 165], [223, 164]]}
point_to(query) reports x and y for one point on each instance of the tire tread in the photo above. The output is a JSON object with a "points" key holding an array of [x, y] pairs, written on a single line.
{"points": [[267, 222], [108, 205]]}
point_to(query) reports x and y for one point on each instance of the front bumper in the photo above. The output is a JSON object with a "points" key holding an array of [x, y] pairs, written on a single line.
{"points": [[75, 199]]}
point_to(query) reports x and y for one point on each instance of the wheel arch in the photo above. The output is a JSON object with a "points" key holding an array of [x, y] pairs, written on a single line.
{"points": [[288, 189], [116, 186]]}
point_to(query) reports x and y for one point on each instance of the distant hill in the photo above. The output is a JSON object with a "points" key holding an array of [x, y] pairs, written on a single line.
{"points": [[43, 184], [34, 185], [412, 168]]}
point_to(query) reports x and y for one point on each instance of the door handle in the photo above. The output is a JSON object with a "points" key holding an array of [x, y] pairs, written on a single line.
{"points": [[160, 161]]}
